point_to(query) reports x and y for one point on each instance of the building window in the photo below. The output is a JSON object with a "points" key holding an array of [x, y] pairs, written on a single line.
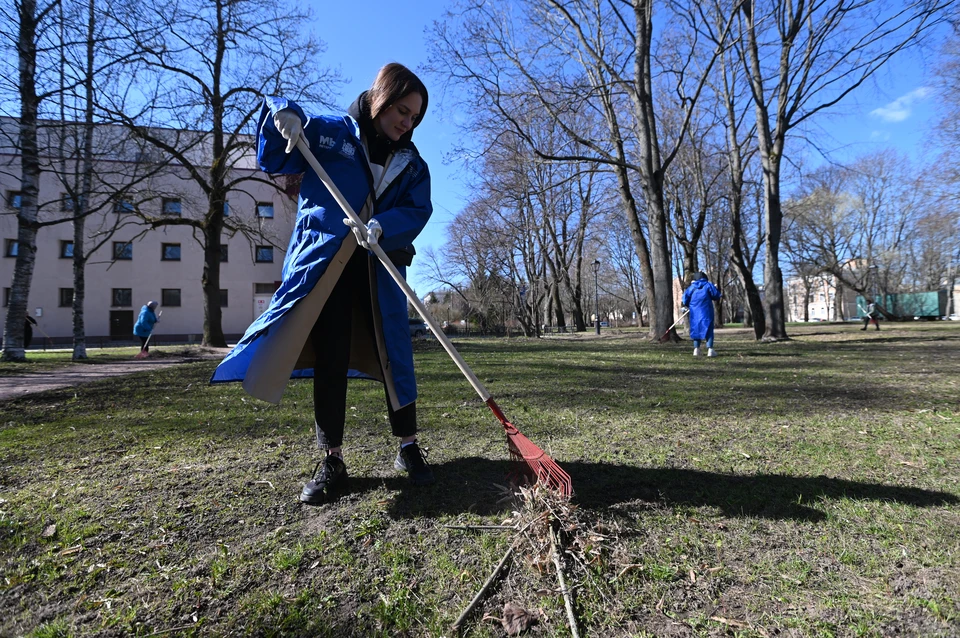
{"points": [[223, 253], [66, 297], [11, 247], [122, 250], [171, 206], [264, 289], [122, 297], [66, 203], [123, 206], [223, 297], [264, 254], [170, 297], [6, 297], [265, 209], [66, 249], [170, 252], [14, 199]]}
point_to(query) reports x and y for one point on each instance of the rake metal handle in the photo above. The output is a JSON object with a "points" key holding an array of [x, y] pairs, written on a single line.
{"points": [[397, 277]]}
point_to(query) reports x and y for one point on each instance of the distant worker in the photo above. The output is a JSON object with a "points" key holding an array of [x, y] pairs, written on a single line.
{"points": [[699, 298], [870, 314], [28, 325], [144, 326]]}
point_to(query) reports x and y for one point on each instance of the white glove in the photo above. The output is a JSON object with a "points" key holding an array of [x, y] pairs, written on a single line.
{"points": [[288, 123], [374, 230]]}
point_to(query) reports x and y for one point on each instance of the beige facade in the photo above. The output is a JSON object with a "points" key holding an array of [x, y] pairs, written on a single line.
{"points": [[135, 264], [820, 304]]}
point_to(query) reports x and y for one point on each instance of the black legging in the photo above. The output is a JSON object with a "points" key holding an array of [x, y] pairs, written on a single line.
{"points": [[331, 336]]}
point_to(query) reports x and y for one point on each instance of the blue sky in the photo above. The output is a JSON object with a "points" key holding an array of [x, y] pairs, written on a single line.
{"points": [[894, 110]]}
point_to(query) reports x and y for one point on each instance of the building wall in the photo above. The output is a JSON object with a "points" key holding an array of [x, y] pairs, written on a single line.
{"points": [[146, 274], [821, 305]]}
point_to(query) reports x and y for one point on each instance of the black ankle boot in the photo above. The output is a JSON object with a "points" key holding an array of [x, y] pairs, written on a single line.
{"points": [[331, 478]]}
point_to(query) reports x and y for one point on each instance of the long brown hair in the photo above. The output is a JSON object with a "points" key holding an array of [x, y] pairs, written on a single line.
{"points": [[393, 82]]}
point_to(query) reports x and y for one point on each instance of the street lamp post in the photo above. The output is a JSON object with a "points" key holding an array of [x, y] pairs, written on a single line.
{"points": [[596, 290]]}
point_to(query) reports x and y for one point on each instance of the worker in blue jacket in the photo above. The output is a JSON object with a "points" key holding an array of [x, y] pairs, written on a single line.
{"points": [[699, 297], [145, 322], [337, 312]]}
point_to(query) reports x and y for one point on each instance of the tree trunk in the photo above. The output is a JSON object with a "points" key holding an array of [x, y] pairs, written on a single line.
{"points": [[773, 305], [212, 313], [80, 207], [557, 305], [29, 186]]}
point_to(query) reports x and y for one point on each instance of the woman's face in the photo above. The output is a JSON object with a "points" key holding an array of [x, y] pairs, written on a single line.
{"points": [[400, 117]]}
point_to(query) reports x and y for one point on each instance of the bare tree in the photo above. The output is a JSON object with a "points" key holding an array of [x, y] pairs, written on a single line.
{"points": [[804, 58], [210, 62], [693, 190], [945, 185], [514, 66], [621, 265], [34, 23], [861, 224], [86, 64], [475, 262], [733, 105]]}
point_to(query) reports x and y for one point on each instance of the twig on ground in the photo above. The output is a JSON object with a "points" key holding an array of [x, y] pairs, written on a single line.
{"points": [[627, 569], [480, 527], [483, 590], [169, 631], [563, 586]]}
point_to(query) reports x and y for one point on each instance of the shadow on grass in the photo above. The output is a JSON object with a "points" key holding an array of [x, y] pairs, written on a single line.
{"points": [[775, 496], [476, 485]]}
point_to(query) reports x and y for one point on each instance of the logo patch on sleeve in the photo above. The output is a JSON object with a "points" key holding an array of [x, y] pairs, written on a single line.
{"points": [[348, 150]]}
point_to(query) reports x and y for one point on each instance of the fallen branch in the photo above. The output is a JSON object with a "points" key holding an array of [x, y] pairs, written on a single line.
{"points": [[479, 527], [169, 631], [483, 590], [563, 585]]}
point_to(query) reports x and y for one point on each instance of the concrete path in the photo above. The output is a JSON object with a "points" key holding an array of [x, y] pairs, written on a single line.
{"points": [[72, 374]]}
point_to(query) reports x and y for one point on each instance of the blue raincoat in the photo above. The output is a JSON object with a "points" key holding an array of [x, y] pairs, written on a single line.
{"points": [[699, 298], [277, 346], [145, 322]]}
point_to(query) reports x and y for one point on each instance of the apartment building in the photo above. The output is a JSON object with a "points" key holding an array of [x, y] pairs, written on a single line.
{"points": [[819, 303], [132, 262]]}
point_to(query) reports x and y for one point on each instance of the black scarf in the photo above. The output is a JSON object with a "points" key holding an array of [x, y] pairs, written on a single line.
{"points": [[379, 146]]}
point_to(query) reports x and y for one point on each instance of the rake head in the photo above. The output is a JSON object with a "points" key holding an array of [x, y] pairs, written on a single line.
{"points": [[533, 464]]}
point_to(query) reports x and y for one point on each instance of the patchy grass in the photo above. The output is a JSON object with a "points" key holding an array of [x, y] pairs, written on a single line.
{"points": [[804, 488]]}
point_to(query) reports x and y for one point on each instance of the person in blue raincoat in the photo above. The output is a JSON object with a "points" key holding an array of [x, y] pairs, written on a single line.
{"points": [[145, 323], [337, 312], [699, 297]]}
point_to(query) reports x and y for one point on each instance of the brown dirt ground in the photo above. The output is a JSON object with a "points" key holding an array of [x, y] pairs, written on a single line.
{"points": [[73, 374]]}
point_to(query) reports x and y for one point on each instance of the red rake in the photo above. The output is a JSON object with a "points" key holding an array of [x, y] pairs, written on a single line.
{"points": [[534, 463], [664, 335]]}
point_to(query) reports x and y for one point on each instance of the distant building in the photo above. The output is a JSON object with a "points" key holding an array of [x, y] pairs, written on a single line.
{"points": [[818, 302], [134, 263]]}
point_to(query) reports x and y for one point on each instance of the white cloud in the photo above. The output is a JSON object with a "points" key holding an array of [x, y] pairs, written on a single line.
{"points": [[879, 136], [899, 109]]}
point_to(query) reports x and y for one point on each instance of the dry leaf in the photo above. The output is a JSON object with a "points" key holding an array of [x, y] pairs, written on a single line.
{"points": [[516, 619], [49, 531]]}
